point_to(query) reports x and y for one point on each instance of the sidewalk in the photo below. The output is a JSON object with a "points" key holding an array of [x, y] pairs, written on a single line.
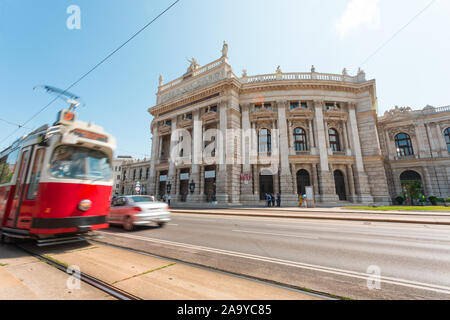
{"points": [[439, 218], [23, 277], [159, 279]]}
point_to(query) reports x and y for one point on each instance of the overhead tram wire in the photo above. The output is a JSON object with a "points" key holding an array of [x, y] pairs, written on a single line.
{"points": [[92, 69], [14, 124], [396, 33]]}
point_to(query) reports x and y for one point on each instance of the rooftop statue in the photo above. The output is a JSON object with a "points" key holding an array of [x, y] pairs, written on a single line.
{"points": [[344, 72], [160, 80], [397, 110], [193, 65], [279, 70], [313, 69], [244, 73], [225, 49]]}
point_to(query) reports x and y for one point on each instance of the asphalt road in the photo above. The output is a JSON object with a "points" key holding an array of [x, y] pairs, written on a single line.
{"points": [[336, 257]]}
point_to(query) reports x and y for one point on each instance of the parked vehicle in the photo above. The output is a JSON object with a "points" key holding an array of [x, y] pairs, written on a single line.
{"points": [[138, 210]]}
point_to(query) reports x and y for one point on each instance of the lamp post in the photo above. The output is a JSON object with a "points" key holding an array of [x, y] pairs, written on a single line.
{"points": [[192, 187], [138, 187]]}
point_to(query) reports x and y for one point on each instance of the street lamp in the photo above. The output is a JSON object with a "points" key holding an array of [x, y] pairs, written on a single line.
{"points": [[192, 187], [168, 187]]}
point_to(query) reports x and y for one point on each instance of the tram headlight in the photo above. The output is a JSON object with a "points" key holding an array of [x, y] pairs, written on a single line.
{"points": [[85, 205]]}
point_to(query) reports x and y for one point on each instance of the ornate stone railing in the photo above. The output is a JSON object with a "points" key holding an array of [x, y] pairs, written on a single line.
{"points": [[302, 76], [435, 110], [196, 72]]}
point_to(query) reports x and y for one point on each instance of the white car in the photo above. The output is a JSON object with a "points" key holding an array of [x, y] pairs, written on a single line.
{"points": [[131, 211]]}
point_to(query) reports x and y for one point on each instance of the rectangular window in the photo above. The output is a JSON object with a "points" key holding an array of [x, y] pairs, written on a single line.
{"points": [[36, 174], [8, 165]]}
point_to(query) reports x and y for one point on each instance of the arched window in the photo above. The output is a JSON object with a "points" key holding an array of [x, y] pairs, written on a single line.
{"points": [[334, 139], [404, 145], [447, 138], [181, 153], [264, 141], [300, 143]]}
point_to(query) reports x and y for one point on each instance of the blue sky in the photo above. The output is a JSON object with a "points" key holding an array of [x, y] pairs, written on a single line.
{"points": [[36, 48]]}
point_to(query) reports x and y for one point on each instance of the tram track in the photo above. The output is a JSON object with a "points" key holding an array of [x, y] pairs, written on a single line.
{"points": [[312, 293], [92, 281]]}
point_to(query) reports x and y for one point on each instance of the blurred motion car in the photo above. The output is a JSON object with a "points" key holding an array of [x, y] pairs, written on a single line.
{"points": [[138, 210]]}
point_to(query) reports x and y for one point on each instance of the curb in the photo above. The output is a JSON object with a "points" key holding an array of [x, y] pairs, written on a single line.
{"points": [[368, 219]]}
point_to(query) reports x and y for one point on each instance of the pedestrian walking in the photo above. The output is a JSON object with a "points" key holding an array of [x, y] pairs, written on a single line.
{"points": [[267, 196], [272, 198], [278, 200], [168, 199]]}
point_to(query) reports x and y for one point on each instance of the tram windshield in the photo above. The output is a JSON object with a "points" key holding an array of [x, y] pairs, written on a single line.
{"points": [[72, 162]]}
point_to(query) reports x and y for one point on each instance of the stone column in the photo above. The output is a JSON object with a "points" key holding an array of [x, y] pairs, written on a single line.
{"points": [[345, 138], [286, 186], [202, 183], [428, 187], [151, 186], [326, 179], [361, 178], [177, 186], [290, 134], [294, 178], [221, 179], [246, 193], [351, 183], [256, 181], [397, 183], [172, 175], [197, 141], [315, 180], [312, 144]]}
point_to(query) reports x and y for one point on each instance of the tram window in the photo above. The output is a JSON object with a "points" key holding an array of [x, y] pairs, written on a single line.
{"points": [[71, 162], [36, 174], [8, 166]]}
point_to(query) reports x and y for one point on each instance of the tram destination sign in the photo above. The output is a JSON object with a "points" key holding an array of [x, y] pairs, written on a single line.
{"points": [[90, 135]]}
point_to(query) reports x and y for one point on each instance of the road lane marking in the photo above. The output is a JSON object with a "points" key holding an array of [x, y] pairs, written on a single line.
{"points": [[277, 234], [300, 265], [349, 223], [172, 224], [420, 232], [299, 227]]}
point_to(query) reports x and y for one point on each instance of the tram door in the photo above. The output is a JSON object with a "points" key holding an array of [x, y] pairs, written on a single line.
{"points": [[30, 193], [20, 188]]}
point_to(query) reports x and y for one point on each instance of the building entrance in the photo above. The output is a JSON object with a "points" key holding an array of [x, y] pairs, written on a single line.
{"points": [[265, 185]]}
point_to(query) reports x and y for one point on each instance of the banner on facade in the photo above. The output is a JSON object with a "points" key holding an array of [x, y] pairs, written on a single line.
{"points": [[163, 178], [184, 176], [246, 177], [210, 174]]}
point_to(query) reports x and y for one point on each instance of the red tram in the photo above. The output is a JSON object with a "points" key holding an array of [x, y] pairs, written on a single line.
{"points": [[56, 182]]}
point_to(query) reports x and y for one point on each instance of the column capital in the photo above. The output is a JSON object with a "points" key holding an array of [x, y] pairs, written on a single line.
{"points": [[318, 103]]}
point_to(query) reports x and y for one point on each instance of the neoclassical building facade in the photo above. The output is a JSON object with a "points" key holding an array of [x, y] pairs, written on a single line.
{"points": [[132, 173], [416, 146], [218, 136]]}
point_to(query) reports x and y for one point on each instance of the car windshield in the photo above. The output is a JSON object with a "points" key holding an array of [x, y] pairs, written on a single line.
{"points": [[72, 162], [142, 199]]}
